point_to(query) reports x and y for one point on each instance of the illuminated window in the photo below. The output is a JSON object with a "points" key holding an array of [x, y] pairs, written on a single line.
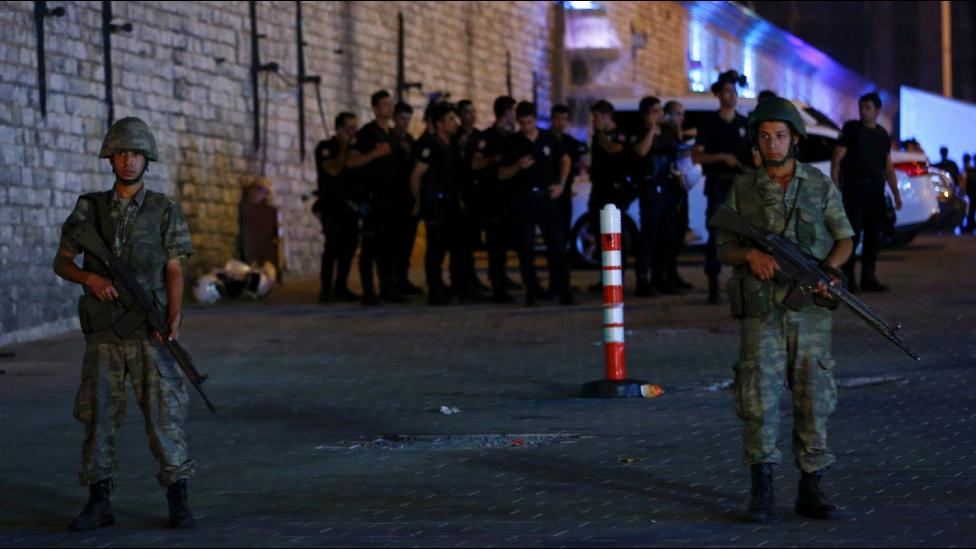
{"points": [[697, 76]]}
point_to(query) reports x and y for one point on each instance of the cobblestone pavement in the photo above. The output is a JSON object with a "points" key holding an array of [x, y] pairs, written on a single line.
{"points": [[329, 430]]}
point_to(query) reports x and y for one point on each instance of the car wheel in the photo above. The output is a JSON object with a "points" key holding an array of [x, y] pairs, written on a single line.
{"points": [[585, 245]]}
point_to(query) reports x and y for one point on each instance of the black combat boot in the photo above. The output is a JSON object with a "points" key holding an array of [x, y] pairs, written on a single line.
{"points": [[98, 510], [180, 515], [762, 505], [810, 501]]}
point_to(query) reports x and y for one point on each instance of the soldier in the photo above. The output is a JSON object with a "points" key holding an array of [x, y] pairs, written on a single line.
{"points": [[609, 171], [722, 148], [340, 222], [860, 165], [534, 168], [405, 224], [778, 345], [560, 116], [146, 230], [436, 196]]}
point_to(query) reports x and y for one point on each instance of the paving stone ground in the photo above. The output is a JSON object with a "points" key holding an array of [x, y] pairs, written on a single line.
{"points": [[295, 456]]}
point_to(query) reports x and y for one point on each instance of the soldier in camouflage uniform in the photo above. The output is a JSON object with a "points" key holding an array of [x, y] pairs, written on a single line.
{"points": [[147, 231], [779, 345]]}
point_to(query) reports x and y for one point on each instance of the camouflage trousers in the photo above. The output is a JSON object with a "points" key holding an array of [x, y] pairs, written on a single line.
{"points": [[792, 349], [160, 392]]}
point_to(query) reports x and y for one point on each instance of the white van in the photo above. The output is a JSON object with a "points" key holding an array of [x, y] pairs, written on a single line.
{"points": [[917, 186]]}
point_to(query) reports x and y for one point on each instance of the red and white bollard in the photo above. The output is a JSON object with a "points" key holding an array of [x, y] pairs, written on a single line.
{"points": [[616, 384], [613, 293]]}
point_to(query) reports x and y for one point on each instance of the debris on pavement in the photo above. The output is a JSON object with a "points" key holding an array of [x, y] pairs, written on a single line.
{"points": [[650, 390]]}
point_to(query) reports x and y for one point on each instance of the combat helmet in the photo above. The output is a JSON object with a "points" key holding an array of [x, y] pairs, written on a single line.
{"points": [[129, 134], [776, 109]]}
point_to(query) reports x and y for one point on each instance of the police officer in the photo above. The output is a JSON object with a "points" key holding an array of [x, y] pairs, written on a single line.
{"points": [[609, 170], [860, 165], [674, 116], [655, 152], [560, 116], [474, 219], [535, 167], [779, 344], [492, 197], [434, 184], [405, 224], [722, 148], [373, 156], [147, 231], [340, 222]]}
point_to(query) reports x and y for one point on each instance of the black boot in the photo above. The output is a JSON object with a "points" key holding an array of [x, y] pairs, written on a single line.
{"points": [[810, 501], [762, 505], [180, 515], [98, 510]]}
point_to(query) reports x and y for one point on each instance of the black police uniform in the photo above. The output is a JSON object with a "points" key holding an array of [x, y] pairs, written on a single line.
{"points": [[378, 189], [492, 201], [658, 195], [473, 222], [443, 216], [610, 177], [340, 222], [862, 186], [532, 204], [404, 223], [718, 136], [575, 149]]}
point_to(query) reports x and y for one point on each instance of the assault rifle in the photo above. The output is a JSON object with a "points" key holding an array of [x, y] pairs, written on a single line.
{"points": [[803, 273], [139, 305]]}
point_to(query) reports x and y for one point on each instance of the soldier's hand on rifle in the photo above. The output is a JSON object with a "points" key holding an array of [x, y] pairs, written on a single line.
{"points": [[821, 289], [762, 265], [102, 288], [174, 321]]}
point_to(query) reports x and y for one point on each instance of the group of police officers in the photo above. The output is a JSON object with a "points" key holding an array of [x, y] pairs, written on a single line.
{"points": [[503, 182], [376, 181]]}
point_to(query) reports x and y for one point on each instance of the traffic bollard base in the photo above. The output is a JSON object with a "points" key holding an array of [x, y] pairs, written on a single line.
{"points": [[606, 388]]}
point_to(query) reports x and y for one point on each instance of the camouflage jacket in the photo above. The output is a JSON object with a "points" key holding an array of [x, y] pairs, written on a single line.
{"points": [[146, 234], [809, 213]]}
